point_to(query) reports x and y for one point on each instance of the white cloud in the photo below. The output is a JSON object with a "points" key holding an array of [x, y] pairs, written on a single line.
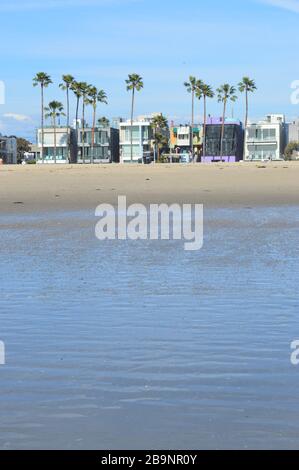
{"points": [[291, 5], [23, 5], [17, 117]]}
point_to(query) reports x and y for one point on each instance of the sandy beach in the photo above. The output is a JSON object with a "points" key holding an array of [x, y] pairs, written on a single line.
{"points": [[61, 187]]}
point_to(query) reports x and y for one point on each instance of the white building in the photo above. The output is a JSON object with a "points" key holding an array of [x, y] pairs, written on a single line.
{"points": [[142, 134], [62, 136], [293, 131], [265, 140], [184, 136]]}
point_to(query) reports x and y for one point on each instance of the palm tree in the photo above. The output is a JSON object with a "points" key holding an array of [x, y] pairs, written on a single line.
{"points": [[135, 83], [104, 122], [248, 86], [75, 87], [67, 81], [198, 95], [207, 92], [84, 90], [193, 87], [96, 96], [226, 93], [159, 125], [54, 111], [160, 141], [43, 80]]}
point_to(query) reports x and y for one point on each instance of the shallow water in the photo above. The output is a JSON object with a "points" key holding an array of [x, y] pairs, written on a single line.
{"points": [[142, 345]]}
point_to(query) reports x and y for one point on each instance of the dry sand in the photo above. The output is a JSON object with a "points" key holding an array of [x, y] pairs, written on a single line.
{"points": [[38, 188]]}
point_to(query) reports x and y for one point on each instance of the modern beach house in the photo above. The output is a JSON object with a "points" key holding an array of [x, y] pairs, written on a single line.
{"points": [[266, 140], [104, 150], [62, 153], [8, 149], [180, 139], [232, 150], [143, 138], [103, 147]]}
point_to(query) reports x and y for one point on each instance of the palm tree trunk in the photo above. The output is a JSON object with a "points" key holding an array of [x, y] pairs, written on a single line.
{"points": [[246, 115], [222, 131], [192, 125], [77, 112], [132, 115], [83, 130], [42, 121], [155, 145], [68, 124], [204, 126], [93, 132], [77, 115], [55, 143], [246, 123]]}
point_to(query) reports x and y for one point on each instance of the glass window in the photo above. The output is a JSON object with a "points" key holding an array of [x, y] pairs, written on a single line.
{"points": [[135, 133], [145, 133], [126, 151]]}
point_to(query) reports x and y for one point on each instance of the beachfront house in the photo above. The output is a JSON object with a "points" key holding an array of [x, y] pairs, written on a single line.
{"points": [[180, 139], [104, 150], [102, 147], [8, 149], [266, 140], [62, 152], [232, 147], [142, 138]]}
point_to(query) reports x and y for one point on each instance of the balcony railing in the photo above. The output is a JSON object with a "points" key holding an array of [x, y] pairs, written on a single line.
{"points": [[261, 139]]}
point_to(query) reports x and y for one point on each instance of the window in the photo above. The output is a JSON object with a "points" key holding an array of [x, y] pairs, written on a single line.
{"points": [[126, 151], [135, 133], [262, 152], [61, 153], [103, 137], [230, 140]]}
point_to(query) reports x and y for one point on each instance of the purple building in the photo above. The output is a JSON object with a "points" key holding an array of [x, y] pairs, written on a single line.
{"points": [[232, 141]]}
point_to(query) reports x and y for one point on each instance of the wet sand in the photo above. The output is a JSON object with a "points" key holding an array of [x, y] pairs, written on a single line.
{"points": [[74, 187]]}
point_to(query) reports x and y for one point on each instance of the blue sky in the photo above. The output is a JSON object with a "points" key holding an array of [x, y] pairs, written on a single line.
{"points": [[101, 41]]}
